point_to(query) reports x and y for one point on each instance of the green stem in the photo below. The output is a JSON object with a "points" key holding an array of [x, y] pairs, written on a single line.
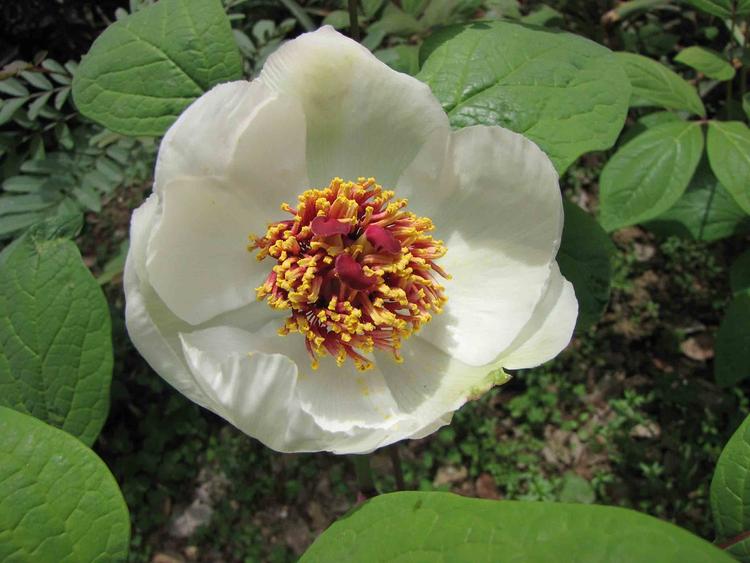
{"points": [[743, 69], [353, 20], [731, 49], [365, 481], [398, 472], [729, 93]]}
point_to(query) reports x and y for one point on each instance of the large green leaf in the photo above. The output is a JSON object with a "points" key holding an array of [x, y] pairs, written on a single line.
{"points": [[58, 501], [55, 337], [728, 148], [730, 492], [707, 61], [739, 548], [584, 258], [562, 91], [658, 85], [146, 68], [649, 174], [426, 527], [723, 8], [706, 211], [732, 363], [648, 121]]}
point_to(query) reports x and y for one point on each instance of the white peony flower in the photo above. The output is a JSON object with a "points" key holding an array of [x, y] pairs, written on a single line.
{"points": [[367, 358]]}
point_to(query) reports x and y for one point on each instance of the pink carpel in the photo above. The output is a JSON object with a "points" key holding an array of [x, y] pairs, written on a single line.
{"points": [[382, 239], [350, 272], [328, 226]]}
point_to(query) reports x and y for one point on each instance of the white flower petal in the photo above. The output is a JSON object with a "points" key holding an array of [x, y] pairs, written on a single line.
{"points": [[152, 327], [142, 224], [502, 228], [550, 328], [429, 386], [254, 391], [277, 400], [429, 179], [153, 330], [433, 427], [157, 343], [243, 132], [197, 257], [258, 392], [341, 398], [363, 119]]}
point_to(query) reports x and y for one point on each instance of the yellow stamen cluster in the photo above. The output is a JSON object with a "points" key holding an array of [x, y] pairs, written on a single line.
{"points": [[354, 268]]}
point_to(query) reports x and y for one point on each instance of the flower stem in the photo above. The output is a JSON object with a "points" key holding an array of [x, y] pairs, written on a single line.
{"points": [[353, 20], [743, 70], [732, 42], [398, 472], [365, 482]]}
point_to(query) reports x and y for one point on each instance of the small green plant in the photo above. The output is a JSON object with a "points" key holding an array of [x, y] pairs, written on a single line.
{"points": [[54, 163]]}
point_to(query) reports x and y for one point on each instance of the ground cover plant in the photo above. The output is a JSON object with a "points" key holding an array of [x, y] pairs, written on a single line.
{"points": [[633, 437]]}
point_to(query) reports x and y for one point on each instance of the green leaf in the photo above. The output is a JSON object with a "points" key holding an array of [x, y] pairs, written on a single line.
{"points": [[732, 363], [425, 527], [13, 87], [61, 97], [37, 79], [298, 12], [730, 486], [739, 274], [544, 16], [576, 489], [649, 174], [49, 165], [64, 225], [24, 183], [645, 122], [657, 118], [728, 148], [145, 69], [63, 79], [370, 7], [707, 61], [115, 266], [564, 92], [746, 104], [403, 58], [36, 106], [64, 135], [10, 107], [88, 198], [55, 336], [338, 19], [11, 224], [706, 211], [740, 549], [23, 203], [53, 66], [723, 8], [58, 501], [414, 7], [394, 21], [110, 169], [584, 259], [660, 86]]}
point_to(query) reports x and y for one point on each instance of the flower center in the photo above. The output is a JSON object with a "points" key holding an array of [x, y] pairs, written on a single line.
{"points": [[355, 268]]}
